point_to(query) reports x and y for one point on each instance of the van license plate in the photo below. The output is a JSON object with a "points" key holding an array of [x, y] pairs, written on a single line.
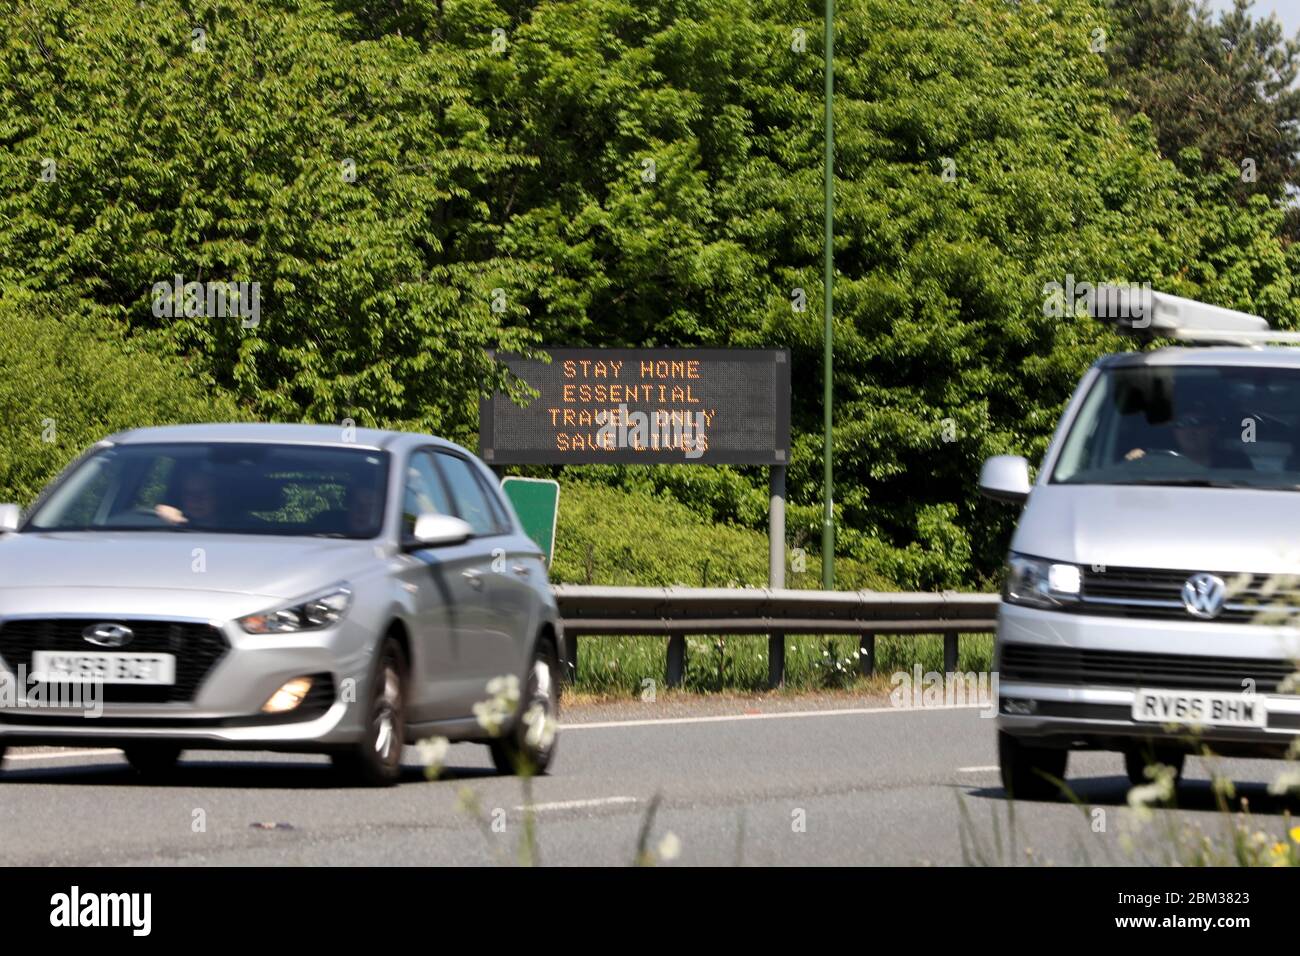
{"points": [[1180, 707]]}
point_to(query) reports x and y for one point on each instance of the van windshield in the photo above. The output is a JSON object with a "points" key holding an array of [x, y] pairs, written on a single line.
{"points": [[1211, 426]]}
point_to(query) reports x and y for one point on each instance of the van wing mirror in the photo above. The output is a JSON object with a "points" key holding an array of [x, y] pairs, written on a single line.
{"points": [[1005, 478], [10, 517]]}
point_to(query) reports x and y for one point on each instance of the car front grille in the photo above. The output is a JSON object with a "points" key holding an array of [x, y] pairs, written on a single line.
{"points": [[197, 648], [1035, 663], [1156, 593]]}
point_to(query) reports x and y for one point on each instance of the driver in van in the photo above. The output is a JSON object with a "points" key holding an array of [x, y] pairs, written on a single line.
{"points": [[1194, 431]]}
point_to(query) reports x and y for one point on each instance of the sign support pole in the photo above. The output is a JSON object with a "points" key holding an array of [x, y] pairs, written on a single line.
{"points": [[776, 571], [828, 333]]}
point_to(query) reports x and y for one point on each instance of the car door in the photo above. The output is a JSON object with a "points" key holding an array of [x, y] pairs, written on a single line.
{"points": [[452, 613], [505, 642]]}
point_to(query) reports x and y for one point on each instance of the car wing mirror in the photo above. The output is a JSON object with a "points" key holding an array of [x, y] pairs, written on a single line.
{"points": [[434, 531]]}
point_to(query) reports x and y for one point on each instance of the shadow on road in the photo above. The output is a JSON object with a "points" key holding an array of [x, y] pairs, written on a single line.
{"points": [[221, 774], [1191, 795]]}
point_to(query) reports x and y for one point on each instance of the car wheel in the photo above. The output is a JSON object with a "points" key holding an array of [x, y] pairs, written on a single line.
{"points": [[1026, 769], [529, 745], [1136, 760], [376, 760], [152, 760]]}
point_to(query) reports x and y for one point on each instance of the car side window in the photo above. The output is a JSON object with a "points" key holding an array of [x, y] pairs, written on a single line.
{"points": [[471, 498], [498, 506], [425, 491]]}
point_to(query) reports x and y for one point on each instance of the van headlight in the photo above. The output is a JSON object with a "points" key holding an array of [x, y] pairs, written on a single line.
{"points": [[322, 609], [1036, 582]]}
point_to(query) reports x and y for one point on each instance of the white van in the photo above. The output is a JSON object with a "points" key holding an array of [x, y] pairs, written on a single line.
{"points": [[1152, 586]]}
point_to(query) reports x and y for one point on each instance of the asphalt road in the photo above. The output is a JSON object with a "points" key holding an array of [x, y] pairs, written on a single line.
{"points": [[869, 785]]}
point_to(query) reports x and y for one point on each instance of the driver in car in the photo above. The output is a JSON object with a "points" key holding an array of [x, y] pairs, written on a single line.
{"points": [[198, 500], [1194, 431]]}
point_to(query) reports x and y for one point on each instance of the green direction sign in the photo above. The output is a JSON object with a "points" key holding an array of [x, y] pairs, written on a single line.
{"points": [[537, 502]]}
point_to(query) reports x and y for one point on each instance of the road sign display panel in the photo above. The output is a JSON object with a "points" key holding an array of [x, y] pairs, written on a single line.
{"points": [[643, 406]]}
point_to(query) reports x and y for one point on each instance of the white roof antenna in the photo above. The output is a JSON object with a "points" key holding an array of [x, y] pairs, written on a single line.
{"points": [[1146, 314]]}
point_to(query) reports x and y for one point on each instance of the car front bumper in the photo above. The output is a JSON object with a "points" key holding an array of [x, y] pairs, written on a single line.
{"points": [[224, 709]]}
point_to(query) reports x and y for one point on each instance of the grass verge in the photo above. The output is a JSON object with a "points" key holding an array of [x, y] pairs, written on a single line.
{"points": [[619, 667]]}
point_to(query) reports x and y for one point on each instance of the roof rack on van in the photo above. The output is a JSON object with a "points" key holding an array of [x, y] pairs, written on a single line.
{"points": [[1158, 315]]}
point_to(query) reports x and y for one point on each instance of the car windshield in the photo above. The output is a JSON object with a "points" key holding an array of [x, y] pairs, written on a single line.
{"points": [[1207, 426], [223, 487]]}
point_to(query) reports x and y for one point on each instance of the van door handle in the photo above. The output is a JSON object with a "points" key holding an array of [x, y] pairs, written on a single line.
{"points": [[475, 578], [522, 570]]}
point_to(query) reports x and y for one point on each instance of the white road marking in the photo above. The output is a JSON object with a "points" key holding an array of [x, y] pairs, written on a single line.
{"points": [[607, 724], [101, 752], [774, 715], [579, 804], [977, 769]]}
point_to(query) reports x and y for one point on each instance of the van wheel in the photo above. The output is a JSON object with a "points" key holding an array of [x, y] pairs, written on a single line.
{"points": [[152, 760], [1026, 769], [376, 759], [1137, 758], [529, 745]]}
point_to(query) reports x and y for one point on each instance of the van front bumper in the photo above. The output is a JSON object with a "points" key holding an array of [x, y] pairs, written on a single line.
{"points": [[1058, 708]]}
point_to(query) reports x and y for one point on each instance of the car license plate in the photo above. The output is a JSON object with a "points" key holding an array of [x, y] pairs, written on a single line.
{"points": [[1182, 707], [83, 668]]}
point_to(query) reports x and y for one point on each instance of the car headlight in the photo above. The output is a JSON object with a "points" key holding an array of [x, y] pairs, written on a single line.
{"points": [[320, 610], [1036, 582]]}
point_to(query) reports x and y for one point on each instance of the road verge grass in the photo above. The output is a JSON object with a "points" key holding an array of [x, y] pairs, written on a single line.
{"points": [[629, 667]]}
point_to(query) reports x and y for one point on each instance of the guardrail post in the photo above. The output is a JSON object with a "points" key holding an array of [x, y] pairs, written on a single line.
{"points": [[676, 660], [867, 654], [776, 661], [950, 652], [571, 655]]}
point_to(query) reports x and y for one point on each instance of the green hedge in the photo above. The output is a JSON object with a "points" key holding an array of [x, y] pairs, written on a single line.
{"points": [[612, 536]]}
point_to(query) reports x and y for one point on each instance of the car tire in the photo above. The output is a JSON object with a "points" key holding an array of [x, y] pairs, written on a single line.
{"points": [[376, 759], [1026, 769], [1136, 760], [524, 748], [152, 760]]}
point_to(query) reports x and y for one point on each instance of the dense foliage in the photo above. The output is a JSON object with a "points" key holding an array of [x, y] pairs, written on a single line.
{"points": [[68, 377], [412, 183], [1224, 84], [658, 543]]}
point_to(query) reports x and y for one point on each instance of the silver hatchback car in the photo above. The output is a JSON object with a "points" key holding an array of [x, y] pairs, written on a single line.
{"points": [[276, 587]]}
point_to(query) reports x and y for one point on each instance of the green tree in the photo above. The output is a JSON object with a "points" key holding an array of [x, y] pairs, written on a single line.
{"points": [[609, 172], [68, 378], [1225, 85], [256, 141]]}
